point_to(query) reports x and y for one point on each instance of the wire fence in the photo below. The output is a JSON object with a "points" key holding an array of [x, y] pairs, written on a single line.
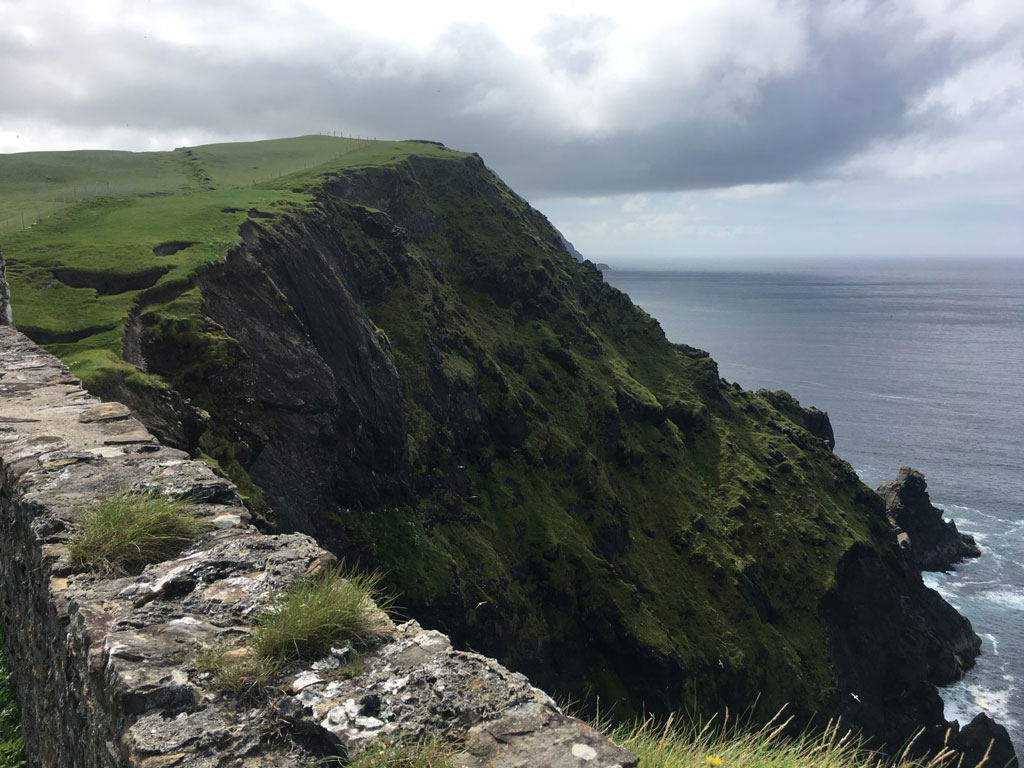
{"points": [[27, 214]]}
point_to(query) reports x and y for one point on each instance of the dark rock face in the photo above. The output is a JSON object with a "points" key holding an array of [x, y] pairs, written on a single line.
{"points": [[892, 641], [331, 428], [984, 739], [305, 386], [814, 421], [934, 544], [571, 249]]}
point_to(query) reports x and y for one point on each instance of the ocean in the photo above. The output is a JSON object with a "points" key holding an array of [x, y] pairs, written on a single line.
{"points": [[919, 362]]}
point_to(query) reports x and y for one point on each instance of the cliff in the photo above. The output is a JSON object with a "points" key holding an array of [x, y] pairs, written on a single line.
{"points": [[933, 542], [402, 360]]}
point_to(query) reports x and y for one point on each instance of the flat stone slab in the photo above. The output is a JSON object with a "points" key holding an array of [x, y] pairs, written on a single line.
{"points": [[104, 412]]}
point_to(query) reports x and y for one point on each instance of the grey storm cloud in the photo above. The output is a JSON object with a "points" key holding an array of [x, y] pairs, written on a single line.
{"points": [[853, 84]]}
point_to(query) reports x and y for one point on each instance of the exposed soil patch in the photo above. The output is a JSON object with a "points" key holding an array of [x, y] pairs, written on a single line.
{"points": [[171, 247], [106, 284], [258, 214], [70, 337], [162, 293]]}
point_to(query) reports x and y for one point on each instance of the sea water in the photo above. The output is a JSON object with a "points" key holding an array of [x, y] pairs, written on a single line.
{"points": [[919, 363]]}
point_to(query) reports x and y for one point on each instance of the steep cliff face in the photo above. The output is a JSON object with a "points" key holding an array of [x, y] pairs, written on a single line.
{"points": [[893, 640], [417, 372]]}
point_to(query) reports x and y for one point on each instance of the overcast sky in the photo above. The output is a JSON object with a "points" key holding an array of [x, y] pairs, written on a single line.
{"points": [[746, 127]]}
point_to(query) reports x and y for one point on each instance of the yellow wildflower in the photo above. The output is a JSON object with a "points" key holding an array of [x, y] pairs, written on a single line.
{"points": [[714, 760]]}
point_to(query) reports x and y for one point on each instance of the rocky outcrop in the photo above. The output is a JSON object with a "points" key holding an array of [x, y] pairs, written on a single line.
{"points": [[813, 420], [106, 667], [984, 739], [5, 293], [934, 543], [893, 640]]}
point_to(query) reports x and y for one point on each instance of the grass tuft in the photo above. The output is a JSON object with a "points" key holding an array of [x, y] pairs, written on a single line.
{"points": [[324, 610], [235, 670], [430, 754], [131, 529], [334, 607], [719, 744]]}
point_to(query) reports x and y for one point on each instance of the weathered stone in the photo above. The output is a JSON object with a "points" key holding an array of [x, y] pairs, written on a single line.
{"points": [[933, 542], [5, 294], [106, 668], [104, 412], [536, 734]]}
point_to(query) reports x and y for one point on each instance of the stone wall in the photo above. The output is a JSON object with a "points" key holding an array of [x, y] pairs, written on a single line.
{"points": [[105, 667], [5, 294]]}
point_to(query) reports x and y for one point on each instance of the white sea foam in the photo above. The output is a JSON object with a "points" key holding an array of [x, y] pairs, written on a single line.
{"points": [[957, 512], [963, 700], [943, 588], [993, 642], [959, 508], [891, 397], [995, 703], [1007, 598]]}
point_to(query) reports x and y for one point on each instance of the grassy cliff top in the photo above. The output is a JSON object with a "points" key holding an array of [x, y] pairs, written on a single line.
{"points": [[103, 229]]}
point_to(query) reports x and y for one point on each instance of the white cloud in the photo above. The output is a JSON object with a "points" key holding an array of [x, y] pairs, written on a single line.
{"points": [[994, 81], [624, 107], [748, 191]]}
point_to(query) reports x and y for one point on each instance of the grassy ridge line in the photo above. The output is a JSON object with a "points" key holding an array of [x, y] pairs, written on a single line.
{"points": [[29, 179], [76, 274], [51, 179]]}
